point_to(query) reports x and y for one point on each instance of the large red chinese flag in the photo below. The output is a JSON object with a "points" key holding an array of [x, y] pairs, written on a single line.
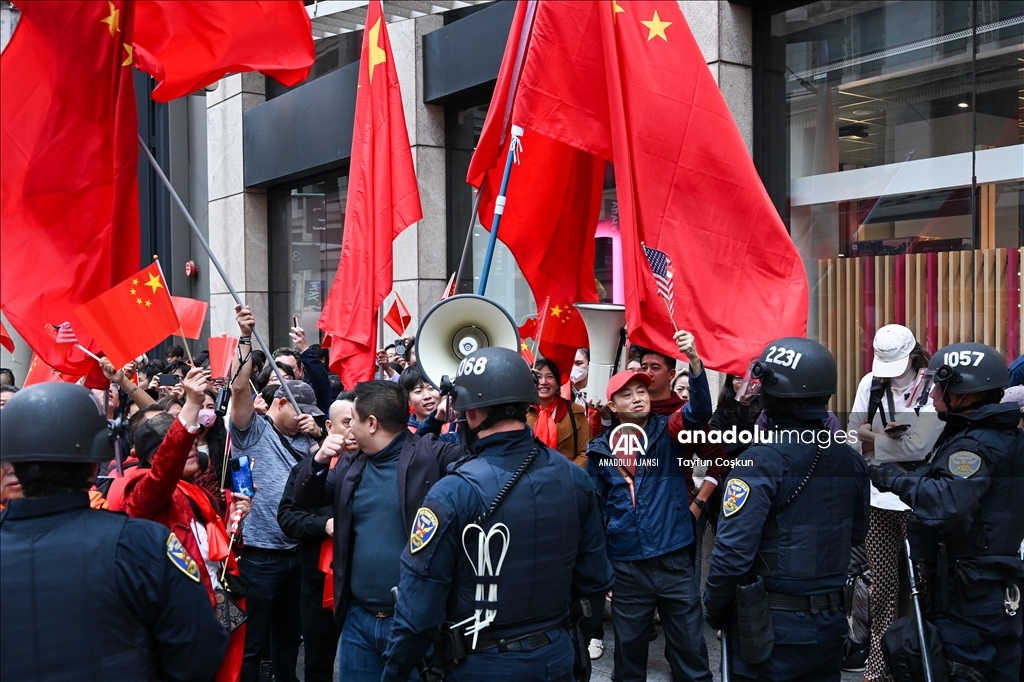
{"points": [[552, 205], [627, 82], [382, 201], [132, 317], [188, 45], [69, 217]]}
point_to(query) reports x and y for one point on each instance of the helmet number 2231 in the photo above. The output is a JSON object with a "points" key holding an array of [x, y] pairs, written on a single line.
{"points": [[783, 356]]}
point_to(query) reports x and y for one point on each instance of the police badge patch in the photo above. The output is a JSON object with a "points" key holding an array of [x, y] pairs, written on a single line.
{"points": [[180, 558], [736, 493], [423, 529], [964, 464]]}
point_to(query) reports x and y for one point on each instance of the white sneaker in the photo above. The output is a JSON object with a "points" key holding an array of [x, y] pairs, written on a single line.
{"points": [[596, 649]]}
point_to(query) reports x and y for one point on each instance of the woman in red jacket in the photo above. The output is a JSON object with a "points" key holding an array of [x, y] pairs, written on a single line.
{"points": [[161, 489]]}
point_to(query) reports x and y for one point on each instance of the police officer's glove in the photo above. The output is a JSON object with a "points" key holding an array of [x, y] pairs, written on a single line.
{"points": [[715, 620], [884, 476]]}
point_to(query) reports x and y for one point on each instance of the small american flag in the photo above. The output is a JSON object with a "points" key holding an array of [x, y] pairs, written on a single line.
{"points": [[661, 268], [65, 335]]}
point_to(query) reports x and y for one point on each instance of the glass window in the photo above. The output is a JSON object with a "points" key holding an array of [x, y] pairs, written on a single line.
{"points": [[905, 158], [307, 221]]}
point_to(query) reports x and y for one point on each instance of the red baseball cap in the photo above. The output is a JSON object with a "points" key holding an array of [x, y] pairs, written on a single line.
{"points": [[619, 381]]}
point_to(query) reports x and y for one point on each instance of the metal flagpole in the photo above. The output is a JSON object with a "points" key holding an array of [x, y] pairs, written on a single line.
{"points": [[223, 275], [469, 234], [499, 206]]}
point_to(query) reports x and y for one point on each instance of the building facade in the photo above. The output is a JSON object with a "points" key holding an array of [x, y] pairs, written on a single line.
{"points": [[888, 134]]}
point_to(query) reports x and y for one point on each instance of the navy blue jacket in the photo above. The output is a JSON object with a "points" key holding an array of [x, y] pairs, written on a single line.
{"points": [[799, 549], [659, 521], [316, 377], [94, 595], [556, 548]]}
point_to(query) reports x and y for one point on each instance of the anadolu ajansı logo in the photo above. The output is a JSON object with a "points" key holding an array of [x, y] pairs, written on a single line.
{"points": [[629, 445]]}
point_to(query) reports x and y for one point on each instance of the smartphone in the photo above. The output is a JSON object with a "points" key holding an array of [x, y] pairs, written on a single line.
{"points": [[241, 476], [400, 347], [169, 379], [896, 429], [295, 320]]}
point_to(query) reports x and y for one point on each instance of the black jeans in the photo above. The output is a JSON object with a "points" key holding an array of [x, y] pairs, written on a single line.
{"points": [[667, 583], [320, 633], [274, 628]]}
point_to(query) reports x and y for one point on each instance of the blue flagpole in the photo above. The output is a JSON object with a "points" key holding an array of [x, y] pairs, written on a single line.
{"points": [[499, 208]]}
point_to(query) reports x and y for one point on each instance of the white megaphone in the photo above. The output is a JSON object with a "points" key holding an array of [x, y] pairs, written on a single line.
{"points": [[456, 327], [604, 323]]}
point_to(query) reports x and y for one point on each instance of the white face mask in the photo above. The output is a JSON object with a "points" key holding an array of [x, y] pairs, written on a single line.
{"points": [[205, 449], [577, 374]]}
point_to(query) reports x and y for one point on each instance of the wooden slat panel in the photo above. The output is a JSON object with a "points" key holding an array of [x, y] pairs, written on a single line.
{"points": [[888, 290], [946, 314], [999, 315]]}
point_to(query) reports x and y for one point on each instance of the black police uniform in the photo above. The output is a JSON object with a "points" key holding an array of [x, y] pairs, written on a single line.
{"points": [[94, 595], [798, 541], [970, 498], [556, 548]]}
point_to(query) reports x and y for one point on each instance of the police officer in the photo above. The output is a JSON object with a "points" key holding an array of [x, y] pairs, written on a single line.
{"points": [[788, 521], [501, 545], [89, 594], [967, 522]]}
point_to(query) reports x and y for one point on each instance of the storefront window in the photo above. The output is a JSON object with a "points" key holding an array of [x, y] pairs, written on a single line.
{"points": [[307, 221], [905, 158]]}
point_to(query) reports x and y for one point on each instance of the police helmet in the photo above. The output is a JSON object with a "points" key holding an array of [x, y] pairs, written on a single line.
{"points": [[493, 376], [795, 367], [969, 368], [82, 434]]}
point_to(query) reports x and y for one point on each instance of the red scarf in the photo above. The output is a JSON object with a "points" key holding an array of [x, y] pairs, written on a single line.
{"points": [[546, 428]]}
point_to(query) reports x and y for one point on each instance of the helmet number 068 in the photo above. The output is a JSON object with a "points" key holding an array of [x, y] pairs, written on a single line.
{"points": [[472, 366], [954, 359], [783, 356]]}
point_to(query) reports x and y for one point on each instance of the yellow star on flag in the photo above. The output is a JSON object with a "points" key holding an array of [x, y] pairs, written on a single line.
{"points": [[657, 27], [154, 282], [132, 291], [139, 301], [148, 304], [135, 281], [377, 53], [113, 20], [616, 8], [128, 51], [557, 311]]}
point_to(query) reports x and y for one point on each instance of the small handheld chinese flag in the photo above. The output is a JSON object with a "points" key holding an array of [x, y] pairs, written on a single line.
{"points": [[398, 316], [131, 318], [39, 373], [222, 350], [191, 315]]}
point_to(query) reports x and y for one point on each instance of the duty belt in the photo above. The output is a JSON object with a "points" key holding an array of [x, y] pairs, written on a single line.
{"points": [[805, 602], [530, 642]]}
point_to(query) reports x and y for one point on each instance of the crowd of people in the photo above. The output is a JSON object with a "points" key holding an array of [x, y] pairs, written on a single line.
{"points": [[516, 526]]}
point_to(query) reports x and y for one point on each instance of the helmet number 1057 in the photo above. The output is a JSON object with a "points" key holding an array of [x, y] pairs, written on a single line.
{"points": [[963, 358]]}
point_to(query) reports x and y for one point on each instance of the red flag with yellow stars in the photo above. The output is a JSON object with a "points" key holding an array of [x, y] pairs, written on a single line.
{"points": [[131, 318], [382, 201], [69, 216], [39, 372], [626, 82], [552, 206]]}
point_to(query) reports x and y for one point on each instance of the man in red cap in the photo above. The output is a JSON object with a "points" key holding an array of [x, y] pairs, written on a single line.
{"points": [[643, 476]]}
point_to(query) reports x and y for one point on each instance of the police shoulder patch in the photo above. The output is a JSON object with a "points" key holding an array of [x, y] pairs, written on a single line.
{"points": [[423, 529], [736, 493], [964, 463], [180, 558]]}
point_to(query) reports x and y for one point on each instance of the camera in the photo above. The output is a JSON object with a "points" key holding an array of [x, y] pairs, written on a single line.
{"points": [[221, 404]]}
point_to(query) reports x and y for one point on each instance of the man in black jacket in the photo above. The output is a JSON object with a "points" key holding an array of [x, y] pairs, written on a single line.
{"points": [[370, 530], [314, 529]]}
